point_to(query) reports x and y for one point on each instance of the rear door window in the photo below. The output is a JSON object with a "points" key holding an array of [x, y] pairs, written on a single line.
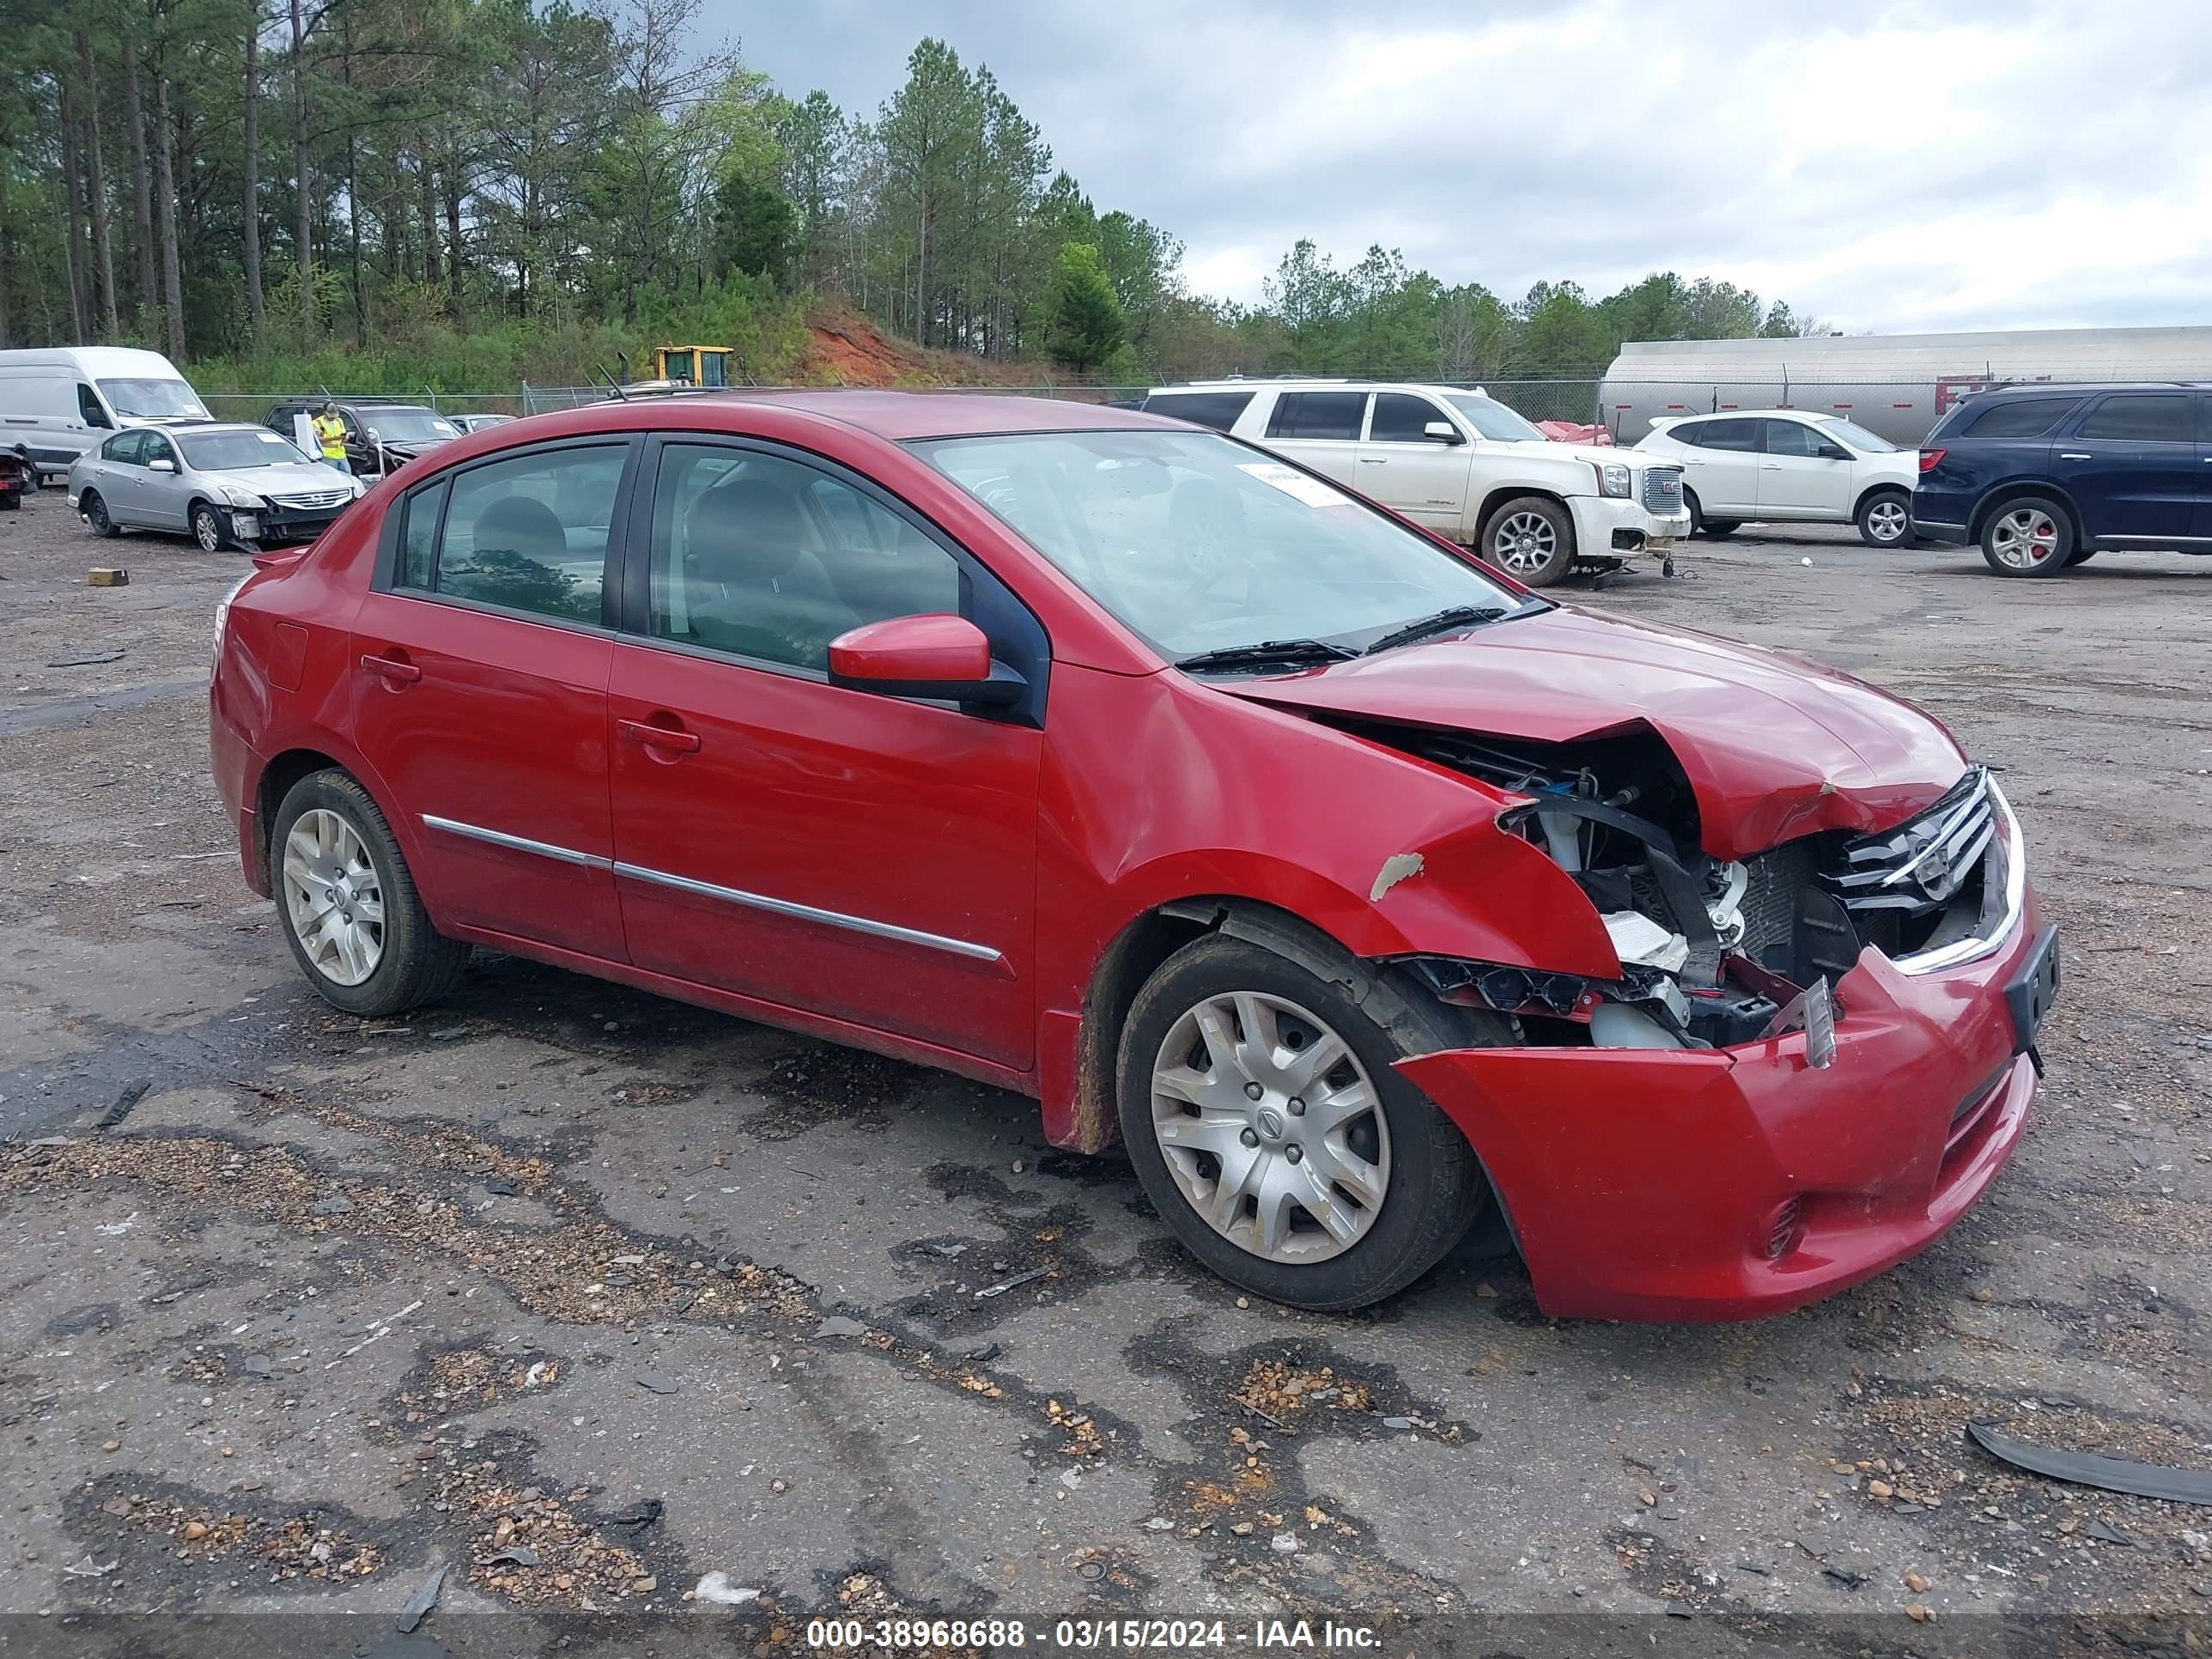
{"points": [[2140, 417], [1742, 435], [1319, 414], [531, 533], [1218, 409]]}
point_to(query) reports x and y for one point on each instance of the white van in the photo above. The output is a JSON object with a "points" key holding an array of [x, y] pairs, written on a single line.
{"points": [[59, 401]]}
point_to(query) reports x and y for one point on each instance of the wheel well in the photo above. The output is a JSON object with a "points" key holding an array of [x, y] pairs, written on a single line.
{"points": [[277, 781], [1393, 997], [2005, 495], [1873, 490], [1504, 493]]}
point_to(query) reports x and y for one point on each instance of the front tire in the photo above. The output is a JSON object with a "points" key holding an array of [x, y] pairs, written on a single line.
{"points": [[1263, 1112], [351, 915], [1531, 538], [1885, 519], [96, 516], [209, 528], [2028, 535]]}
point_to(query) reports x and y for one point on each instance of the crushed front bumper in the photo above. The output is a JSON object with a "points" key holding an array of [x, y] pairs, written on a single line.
{"points": [[1654, 1184], [1607, 524]]}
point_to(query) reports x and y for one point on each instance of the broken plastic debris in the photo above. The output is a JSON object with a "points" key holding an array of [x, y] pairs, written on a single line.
{"points": [[519, 1555], [89, 1568], [2109, 1473], [1395, 868], [1005, 1284], [419, 1604], [716, 1587]]}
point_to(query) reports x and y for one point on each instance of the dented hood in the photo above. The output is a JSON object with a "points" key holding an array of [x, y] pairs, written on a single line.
{"points": [[1774, 747]]}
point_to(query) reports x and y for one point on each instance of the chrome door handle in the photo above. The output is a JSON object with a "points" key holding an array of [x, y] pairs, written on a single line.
{"points": [[2077, 458]]}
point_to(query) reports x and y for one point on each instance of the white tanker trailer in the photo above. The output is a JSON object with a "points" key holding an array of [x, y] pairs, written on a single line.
{"points": [[1898, 385]]}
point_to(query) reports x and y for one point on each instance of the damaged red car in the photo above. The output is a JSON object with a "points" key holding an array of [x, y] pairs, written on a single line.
{"points": [[1351, 887]]}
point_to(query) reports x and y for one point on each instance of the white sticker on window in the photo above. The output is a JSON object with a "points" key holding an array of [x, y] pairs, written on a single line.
{"points": [[1296, 484]]}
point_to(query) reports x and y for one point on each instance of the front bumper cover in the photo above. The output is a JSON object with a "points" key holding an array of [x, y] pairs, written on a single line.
{"points": [[1614, 524], [1646, 1183]]}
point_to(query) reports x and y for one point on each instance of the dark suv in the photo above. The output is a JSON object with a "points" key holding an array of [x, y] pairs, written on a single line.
{"points": [[381, 435], [2045, 476]]}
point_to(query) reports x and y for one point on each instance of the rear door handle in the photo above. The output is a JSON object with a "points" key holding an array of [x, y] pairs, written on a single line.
{"points": [[659, 737], [399, 673], [2077, 458], [1770, 467], [1373, 460]]}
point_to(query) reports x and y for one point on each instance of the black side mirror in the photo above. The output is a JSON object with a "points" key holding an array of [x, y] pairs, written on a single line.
{"points": [[1834, 452]]}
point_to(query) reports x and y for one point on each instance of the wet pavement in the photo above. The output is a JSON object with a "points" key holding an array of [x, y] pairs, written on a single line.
{"points": [[589, 1296]]}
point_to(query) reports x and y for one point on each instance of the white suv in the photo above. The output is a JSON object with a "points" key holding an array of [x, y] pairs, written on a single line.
{"points": [[1459, 463], [1789, 465]]}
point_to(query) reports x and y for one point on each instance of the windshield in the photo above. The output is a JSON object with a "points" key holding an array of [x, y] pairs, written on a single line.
{"points": [[153, 400], [228, 452], [1493, 419], [1866, 442], [1199, 543], [407, 425]]}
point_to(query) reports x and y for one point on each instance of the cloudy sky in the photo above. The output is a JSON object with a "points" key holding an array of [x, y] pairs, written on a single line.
{"points": [[1972, 164]]}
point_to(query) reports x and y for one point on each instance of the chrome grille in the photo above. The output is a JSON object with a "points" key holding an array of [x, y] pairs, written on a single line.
{"points": [[1662, 489], [314, 498], [1920, 866]]}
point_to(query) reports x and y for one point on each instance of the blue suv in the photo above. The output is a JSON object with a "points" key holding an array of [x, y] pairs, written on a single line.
{"points": [[2045, 476]]}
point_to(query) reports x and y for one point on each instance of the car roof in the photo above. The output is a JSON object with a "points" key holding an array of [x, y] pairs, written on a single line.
{"points": [[177, 428], [2083, 388], [901, 416], [1317, 383], [1665, 421]]}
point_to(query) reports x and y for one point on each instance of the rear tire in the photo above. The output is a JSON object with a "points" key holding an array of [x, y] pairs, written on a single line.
{"points": [[1531, 538], [1885, 519], [1700, 524], [1397, 1182], [12, 502], [347, 902], [95, 515], [2028, 536]]}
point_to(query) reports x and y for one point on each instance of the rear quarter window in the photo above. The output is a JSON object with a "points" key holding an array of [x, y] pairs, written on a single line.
{"points": [[1218, 409], [2019, 418]]}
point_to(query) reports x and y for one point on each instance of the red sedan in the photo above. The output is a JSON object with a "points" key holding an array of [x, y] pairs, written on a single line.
{"points": [[1352, 887]]}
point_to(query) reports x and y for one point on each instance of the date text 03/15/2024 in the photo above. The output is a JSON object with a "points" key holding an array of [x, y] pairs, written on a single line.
{"points": [[1089, 1635]]}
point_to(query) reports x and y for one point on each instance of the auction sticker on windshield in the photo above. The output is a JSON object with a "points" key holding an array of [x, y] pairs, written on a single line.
{"points": [[1292, 481]]}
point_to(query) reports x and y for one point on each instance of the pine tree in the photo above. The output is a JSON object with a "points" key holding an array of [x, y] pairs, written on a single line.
{"points": [[1087, 327]]}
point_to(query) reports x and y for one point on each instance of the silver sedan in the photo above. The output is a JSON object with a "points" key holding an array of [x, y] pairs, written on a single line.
{"points": [[220, 482]]}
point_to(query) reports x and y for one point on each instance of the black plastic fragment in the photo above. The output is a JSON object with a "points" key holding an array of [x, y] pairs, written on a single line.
{"points": [[132, 1093], [2108, 1474]]}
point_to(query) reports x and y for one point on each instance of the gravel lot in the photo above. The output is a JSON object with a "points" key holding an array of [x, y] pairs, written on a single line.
{"points": [[336, 1302]]}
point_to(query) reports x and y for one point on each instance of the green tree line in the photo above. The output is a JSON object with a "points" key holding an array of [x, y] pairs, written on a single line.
{"points": [[457, 194]]}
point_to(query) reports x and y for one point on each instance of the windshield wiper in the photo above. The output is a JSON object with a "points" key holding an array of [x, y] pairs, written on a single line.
{"points": [[1456, 615], [1287, 652]]}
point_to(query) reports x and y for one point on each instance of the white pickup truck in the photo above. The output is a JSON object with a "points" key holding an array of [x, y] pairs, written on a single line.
{"points": [[1459, 463]]}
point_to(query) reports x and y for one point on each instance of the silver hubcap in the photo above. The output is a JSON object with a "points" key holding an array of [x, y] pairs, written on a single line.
{"points": [[1524, 541], [1271, 1128], [1886, 520], [2025, 538], [209, 532], [332, 897]]}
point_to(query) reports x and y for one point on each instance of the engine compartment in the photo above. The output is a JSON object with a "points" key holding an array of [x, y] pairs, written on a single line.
{"points": [[1713, 951]]}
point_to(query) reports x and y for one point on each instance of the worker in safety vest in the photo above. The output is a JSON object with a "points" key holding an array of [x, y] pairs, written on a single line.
{"points": [[330, 432]]}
